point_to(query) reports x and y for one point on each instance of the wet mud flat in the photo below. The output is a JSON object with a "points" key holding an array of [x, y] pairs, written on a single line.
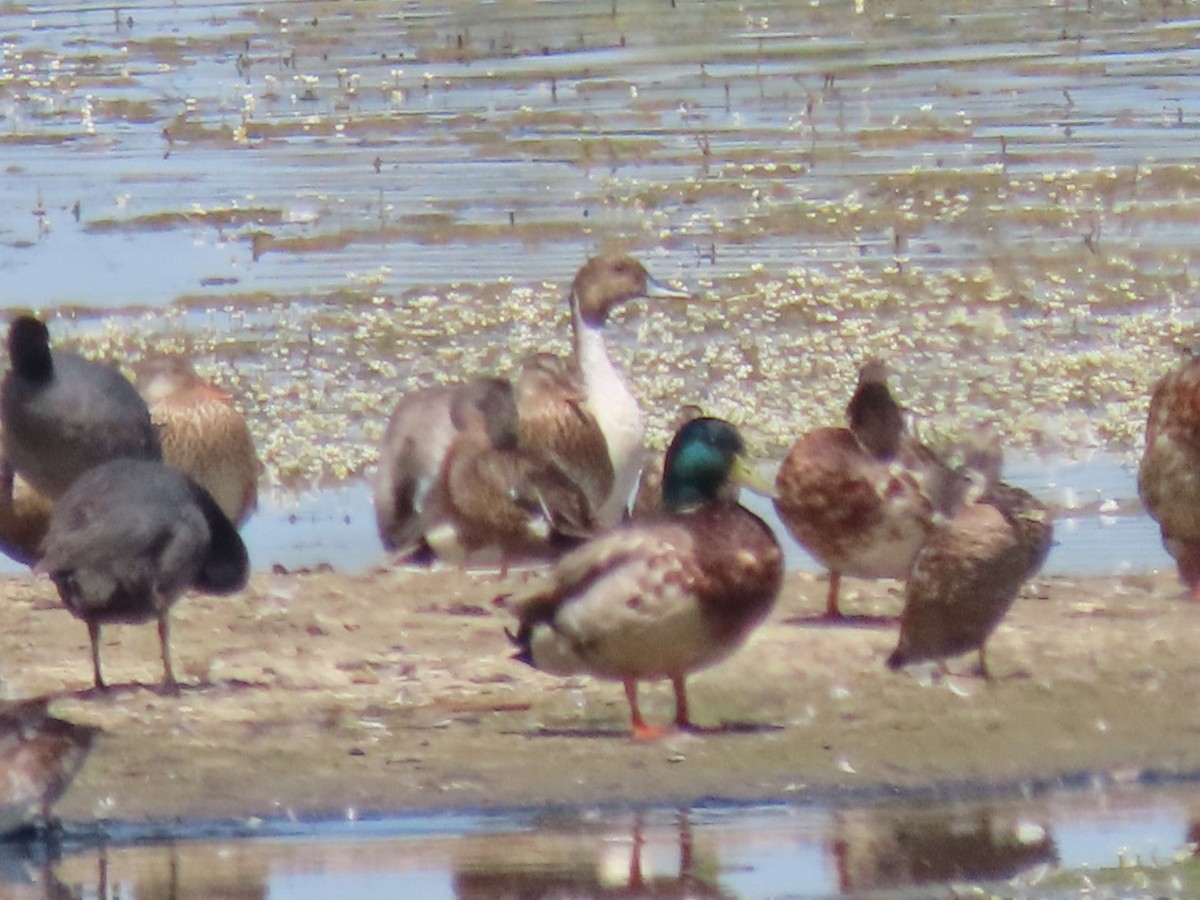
{"points": [[334, 694]]}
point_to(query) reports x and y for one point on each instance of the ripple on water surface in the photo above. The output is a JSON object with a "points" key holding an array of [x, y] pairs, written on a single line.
{"points": [[1047, 846]]}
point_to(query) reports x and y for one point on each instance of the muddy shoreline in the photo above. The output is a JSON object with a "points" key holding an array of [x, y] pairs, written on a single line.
{"points": [[327, 694]]}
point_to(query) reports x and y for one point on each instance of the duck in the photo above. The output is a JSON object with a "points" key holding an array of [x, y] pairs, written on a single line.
{"points": [[62, 414], [661, 598], [202, 432], [970, 569], [24, 517], [494, 495], [418, 436], [861, 499], [40, 755], [647, 501], [1167, 478], [578, 413], [128, 538], [553, 418], [601, 285]]}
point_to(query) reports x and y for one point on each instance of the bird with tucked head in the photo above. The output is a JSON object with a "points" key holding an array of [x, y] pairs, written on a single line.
{"points": [[128, 539], [863, 498], [970, 569]]}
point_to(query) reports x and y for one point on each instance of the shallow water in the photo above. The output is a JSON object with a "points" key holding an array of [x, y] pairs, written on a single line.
{"points": [[329, 205], [1115, 839]]}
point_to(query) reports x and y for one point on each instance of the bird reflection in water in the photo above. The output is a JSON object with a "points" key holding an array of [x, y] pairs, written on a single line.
{"points": [[586, 864], [881, 849]]}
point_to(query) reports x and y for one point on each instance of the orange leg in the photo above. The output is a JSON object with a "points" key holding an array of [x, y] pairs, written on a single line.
{"points": [[831, 602], [641, 731]]}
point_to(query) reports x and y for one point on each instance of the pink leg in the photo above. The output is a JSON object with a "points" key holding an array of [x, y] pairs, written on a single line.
{"points": [[683, 720]]}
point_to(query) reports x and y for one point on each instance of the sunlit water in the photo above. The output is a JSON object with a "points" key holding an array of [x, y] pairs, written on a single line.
{"points": [[1043, 846]]}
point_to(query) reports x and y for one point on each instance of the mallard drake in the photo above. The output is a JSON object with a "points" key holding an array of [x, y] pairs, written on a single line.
{"points": [[665, 597], [202, 432], [648, 501], [128, 538], [494, 495], [63, 415], [970, 569], [603, 283], [39, 756], [1169, 472], [862, 499]]}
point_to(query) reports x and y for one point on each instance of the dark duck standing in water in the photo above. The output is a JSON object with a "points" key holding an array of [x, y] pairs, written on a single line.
{"points": [[862, 499], [128, 539], [665, 596], [63, 415], [1169, 473], [970, 569]]}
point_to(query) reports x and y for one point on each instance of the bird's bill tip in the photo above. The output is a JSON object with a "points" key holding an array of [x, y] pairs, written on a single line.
{"points": [[656, 290], [747, 475]]}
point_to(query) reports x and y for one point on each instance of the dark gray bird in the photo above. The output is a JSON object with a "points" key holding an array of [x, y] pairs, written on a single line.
{"points": [[128, 538], [63, 414]]}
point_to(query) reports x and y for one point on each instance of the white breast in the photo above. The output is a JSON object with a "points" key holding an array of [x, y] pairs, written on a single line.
{"points": [[617, 412]]}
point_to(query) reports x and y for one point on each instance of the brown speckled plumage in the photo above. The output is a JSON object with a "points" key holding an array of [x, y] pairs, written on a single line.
{"points": [[1169, 473], [554, 420], [495, 495], [39, 757], [654, 599], [202, 433], [859, 512], [23, 520], [968, 573]]}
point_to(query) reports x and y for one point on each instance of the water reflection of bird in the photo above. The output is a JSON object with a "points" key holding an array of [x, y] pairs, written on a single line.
{"points": [[862, 499], [890, 848], [581, 864], [39, 757], [970, 569], [202, 432], [601, 285], [1169, 473], [63, 414], [128, 538], [494, 494], [661, 598]]}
